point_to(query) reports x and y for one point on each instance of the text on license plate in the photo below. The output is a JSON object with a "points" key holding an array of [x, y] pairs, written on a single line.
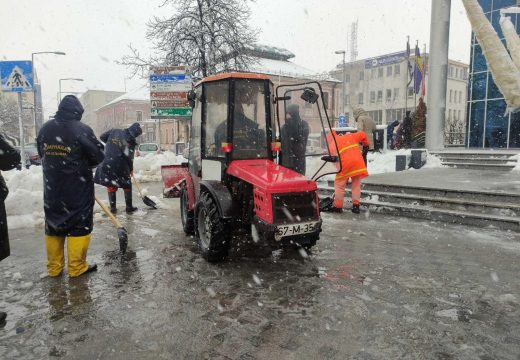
{"points": [[295, 229]]}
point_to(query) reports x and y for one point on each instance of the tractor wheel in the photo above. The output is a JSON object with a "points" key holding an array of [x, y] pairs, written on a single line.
{"points": [[212, 235], [186, 214]]}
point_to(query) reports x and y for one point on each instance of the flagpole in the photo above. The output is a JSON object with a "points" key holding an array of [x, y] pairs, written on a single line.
{"points": [[407, 75], [414, 74]]}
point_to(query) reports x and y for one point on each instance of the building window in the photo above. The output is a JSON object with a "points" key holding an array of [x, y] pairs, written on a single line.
{"points": [[457, 73], [449, 114], [361, 75], [396, 93], [451, 71], [397, 69], [373, 73], [347, 100], [389, 71], [460, 97], [377, 116], [372, 97], [380, 96], [410, 91], [326, 99], [388, 95], [347, 78], [380, 72], [139, 115], [451, 94], [360, 98], [458, 116]]}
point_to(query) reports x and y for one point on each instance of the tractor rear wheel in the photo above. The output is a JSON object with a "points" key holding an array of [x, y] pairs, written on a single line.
{"points": [[186, 214], [212, 234]]}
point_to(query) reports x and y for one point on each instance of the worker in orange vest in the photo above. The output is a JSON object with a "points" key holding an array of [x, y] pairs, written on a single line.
{"points": [[353, 167]]}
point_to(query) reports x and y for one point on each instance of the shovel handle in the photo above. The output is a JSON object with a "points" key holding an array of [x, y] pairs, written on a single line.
{"points": [[114, 220], [137, 185]]}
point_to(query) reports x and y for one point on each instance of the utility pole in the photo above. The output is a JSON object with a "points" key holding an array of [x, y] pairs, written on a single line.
{"points": [[343, 52], [438, 70], [20, 124]]}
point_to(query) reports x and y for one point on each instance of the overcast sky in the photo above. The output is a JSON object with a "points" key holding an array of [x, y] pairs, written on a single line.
{"points": [[96, 33]]}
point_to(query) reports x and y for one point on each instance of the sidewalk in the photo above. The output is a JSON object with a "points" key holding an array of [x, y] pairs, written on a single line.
{"points": [[451, 179]]}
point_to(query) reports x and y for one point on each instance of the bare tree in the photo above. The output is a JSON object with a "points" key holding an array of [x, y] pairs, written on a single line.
{"points": [[206, 35], [9, 124]]}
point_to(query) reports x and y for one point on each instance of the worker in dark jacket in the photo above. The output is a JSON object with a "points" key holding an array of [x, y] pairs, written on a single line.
{"points": [[9, 159], [69, 150], [294, 135], [116, 169]]}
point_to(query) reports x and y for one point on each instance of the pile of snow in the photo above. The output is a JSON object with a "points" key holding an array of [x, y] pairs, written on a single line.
{"points": [[517, 159], [148, 168], [24, 204], [379, 163]]}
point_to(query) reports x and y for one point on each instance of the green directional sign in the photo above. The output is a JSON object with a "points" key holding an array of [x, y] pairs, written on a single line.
{"points": [[172, 112]]}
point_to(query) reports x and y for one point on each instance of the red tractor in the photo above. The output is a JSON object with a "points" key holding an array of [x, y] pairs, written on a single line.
{"points": [[247, 169]]}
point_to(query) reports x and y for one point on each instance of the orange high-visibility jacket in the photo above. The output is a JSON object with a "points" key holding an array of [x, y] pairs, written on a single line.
{"points": [[352, 163]]}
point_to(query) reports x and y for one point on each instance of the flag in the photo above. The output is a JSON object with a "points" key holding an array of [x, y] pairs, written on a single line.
{"points": [[418, 73], [410, 68]]}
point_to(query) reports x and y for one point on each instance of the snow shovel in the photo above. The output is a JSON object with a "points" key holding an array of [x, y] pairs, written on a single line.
{"points": [[121, 231], [147, 201]]}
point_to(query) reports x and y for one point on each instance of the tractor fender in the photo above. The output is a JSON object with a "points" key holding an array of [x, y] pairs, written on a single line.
{"points": [[221, 195]]}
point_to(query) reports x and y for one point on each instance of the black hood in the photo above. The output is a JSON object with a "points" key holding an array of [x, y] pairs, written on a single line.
{"points": [[135, 130], [70, 108]]}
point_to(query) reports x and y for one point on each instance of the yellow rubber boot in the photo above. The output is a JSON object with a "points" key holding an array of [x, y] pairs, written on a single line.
{"points": [[55, 254], [77, 247]]}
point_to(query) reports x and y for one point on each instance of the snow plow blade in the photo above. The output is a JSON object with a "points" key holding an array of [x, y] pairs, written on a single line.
{"points": [[172, 177]]}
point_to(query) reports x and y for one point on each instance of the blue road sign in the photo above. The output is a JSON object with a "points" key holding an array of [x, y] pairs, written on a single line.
{"points": [[342, 121], [16, 76], [162, 78]]}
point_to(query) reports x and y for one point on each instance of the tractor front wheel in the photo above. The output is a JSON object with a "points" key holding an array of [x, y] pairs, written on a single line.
{"points": [[186, 214], [212, 235]]}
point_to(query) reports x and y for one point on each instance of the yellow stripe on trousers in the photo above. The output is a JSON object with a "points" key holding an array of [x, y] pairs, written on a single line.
{"points": [[349, 174]]}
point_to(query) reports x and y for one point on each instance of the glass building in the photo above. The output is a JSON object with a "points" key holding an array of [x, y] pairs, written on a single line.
{"points": [[488, 126]]}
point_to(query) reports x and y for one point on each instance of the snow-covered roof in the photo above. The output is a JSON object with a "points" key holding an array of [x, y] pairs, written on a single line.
{"points": [[286, 68], [270, 51], [140, 94]]}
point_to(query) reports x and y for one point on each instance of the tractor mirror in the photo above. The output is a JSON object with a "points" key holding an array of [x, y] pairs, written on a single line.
{"points": [[310, 96], [329, 158], [191, 98]]}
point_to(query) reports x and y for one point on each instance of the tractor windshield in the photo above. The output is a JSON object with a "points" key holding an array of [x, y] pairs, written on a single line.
{"points": [[303, 129], [249, 120]]}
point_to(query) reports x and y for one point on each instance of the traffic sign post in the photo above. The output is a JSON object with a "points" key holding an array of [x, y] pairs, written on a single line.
{"points": [[17, 76], [169, 86]]}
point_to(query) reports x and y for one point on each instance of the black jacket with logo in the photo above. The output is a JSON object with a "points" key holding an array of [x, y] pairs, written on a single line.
{"points": [[69, 150]]}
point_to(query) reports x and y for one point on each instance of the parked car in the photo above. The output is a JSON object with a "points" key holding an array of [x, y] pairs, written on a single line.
{"points": [[31, 155], [148, 148]]}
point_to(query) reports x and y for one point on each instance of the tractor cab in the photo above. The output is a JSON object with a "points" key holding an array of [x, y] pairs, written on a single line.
{"points": [[249, 167]]}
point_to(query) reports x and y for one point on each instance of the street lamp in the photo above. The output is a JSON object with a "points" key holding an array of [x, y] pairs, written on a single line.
{"points": [[72, 79], [342, 52], [34, 90]]}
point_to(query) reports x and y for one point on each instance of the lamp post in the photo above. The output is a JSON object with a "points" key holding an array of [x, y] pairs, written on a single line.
{"points": [[72, 79], [342, 52], [34, 90]]}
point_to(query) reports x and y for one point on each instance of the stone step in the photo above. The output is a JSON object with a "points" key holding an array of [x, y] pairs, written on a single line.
{"points": [[479, 166], [481, 196], [455, 216], [480, 160]]}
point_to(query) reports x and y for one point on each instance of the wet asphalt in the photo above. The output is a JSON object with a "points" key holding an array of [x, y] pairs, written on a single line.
{"points": [[375, 287]]}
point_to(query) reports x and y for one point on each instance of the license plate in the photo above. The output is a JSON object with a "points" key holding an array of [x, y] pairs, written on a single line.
{"points": [[295, 229]]}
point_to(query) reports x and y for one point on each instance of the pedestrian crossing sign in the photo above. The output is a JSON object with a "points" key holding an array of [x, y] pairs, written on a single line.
{"points": [[16, 76]]}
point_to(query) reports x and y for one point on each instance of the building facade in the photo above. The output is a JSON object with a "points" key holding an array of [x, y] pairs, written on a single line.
{"points": [[93, 100], [380, 86], [488, 125]]}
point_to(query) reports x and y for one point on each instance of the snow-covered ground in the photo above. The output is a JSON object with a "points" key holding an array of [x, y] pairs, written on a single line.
{"points": [[517, 158], [379, 163], [148, 168]]}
